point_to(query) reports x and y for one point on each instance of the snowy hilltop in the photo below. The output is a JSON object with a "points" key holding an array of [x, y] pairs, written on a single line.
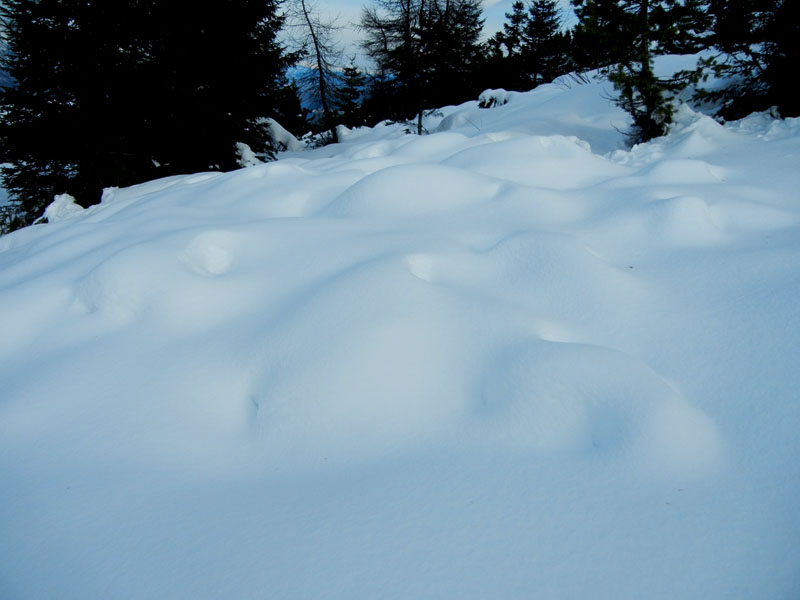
{"points": [[511, 358]]}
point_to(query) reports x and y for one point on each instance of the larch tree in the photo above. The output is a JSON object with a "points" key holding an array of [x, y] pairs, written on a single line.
{"points": [[394, 41], [323, 58]]}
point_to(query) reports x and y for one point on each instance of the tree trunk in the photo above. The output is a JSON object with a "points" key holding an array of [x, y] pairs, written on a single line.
{"points": [[322, 87]]}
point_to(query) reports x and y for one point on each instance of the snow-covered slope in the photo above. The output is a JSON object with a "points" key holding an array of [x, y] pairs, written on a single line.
{"points": [[509, 359]]}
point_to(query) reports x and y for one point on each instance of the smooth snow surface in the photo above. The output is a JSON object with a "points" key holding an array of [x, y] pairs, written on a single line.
{"points": [[510, 359]]}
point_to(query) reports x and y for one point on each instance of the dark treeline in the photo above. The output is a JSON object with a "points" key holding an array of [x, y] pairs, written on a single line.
{"points": [[751, 43], [116, 93], [427, 53], [110, 94]]}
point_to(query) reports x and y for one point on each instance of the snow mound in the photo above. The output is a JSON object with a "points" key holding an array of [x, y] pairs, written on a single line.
{"points": [[509, 359], [63, 207], [492, 98], [613, 405], [281, 136], [416, 190]]}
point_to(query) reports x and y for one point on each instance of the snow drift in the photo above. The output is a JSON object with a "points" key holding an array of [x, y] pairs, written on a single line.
{"points": [[510, 359]]}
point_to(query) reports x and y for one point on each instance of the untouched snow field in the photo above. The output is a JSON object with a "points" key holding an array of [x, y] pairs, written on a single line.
{"points": [[509, 359]]}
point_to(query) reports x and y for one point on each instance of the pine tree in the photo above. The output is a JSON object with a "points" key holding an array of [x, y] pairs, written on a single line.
{"points": [[758, 52], [630, 32], [380, 101], [5, 78], [544, 49], [110, 94], [681, 26], [511, 36], [603, 34], [217, 72], [641, 94], [393, 41], [351, 97], [782, 58], [505, 51], [59, 130], [452, 45], [607, 30]]}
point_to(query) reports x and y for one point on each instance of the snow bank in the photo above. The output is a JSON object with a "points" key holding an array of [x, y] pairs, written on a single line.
{"points": [[509, 359]]}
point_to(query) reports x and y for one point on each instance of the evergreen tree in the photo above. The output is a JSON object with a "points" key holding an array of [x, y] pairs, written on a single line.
{"points": [[393, 41], [380, 100], [630, 32], [56, 132], [641, 94], [531, 49], [544, 48], [681, 26], [509, 41], [452, 43], [603, 35], [5, 78], [351, 97], [758, 52], [427, 48], [739, 24], [782, 50], [504, 58], [608, 30], [110, 94], [216, 72]]}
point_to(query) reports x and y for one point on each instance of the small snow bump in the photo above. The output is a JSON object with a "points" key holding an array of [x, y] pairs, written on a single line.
{"points": [[63, 207], [210, 254]]}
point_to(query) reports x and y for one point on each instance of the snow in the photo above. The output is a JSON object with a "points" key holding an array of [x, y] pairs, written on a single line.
{"points": [[491, 98], [63, 207], [246, 156], [280, 136], [510, 359]]}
